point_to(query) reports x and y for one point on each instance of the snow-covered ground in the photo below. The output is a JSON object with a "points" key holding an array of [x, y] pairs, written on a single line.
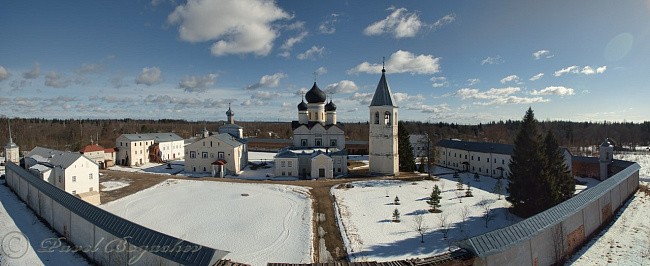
{"points": [[113, 185], [365, 212], [257, 223], [586, 183], [153, 168], [627, 240], [25, 240]]}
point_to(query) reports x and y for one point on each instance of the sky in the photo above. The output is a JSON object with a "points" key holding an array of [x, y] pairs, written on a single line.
{"points": [[463, 62]]}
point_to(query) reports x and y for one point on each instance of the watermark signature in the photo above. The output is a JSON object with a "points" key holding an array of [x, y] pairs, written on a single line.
{"points": [[14, 245]]}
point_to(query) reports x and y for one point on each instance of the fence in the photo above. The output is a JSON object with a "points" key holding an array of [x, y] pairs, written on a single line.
{"points": [[105, 238]]}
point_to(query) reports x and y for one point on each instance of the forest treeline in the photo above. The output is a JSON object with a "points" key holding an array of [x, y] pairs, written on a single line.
{"points": [[73, 134]]}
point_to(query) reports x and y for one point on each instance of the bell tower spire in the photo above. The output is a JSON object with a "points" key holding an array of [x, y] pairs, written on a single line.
{"points": [[383, 142]]}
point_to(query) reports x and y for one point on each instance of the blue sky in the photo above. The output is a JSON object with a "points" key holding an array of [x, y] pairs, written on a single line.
{"points": [[454, 61]]}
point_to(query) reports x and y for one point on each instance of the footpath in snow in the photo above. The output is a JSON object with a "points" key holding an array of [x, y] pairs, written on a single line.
{"points": [[257, 223]]}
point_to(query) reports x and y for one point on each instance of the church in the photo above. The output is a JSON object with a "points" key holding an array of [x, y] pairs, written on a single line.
{"points": [[318, 148]]}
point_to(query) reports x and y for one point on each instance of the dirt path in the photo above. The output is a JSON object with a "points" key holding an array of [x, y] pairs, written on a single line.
{"points": [[323, 202]]}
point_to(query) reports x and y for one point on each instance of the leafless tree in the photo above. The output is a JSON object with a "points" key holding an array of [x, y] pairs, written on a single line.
{"points": [[420, 227], [486, 206], [444, 225], [442, 186], [459, 195], [558, 243], [464, 214]]}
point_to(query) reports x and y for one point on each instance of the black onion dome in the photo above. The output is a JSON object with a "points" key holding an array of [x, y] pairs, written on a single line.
{"points": [[230, 112], [330, 106], [302, 106], [315, 95]]}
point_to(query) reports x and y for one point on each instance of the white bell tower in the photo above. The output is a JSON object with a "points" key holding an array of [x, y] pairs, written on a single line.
{"points": [[383, 153], [11, 149], [606, 152]]}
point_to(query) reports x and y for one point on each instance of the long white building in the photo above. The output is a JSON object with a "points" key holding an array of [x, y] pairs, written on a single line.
{"points": [[70, 171], [139, 149]]}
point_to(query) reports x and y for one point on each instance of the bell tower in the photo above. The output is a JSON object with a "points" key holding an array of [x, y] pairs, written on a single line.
{"points": [[11, 149], [383, 153]]}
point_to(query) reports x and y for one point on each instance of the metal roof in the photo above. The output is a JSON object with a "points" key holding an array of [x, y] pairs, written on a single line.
{"points": [[56, 157], [286, 154], [502, 239], [124, 229], [156, 137], [485, 147], [382, 96]]}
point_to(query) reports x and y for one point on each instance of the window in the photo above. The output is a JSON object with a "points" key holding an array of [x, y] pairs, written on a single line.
{"points": [[290, 164], [74, 192], [503, 161], [465, 156], [333, 142], [376, 117], [204, 155], [339, 169], [90, 176], [290, 174], [479, 169], [303, 142], [193, 155], [283, 173], [74, 179], [319, 142], [479, 158], [220, 155], [472, 157], [210, 143], [282, 164], [387, 118]]}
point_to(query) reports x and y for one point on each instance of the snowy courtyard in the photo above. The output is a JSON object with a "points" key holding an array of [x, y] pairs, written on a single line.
{"points": [[257, 223], [366, 214]]}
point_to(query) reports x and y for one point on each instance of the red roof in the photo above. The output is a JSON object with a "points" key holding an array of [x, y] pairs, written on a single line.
{"points": [[220, 162], [109, 150], [92, 148]]}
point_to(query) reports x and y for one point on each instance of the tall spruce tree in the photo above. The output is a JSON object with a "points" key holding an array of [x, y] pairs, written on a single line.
{"points": [[528, 187], [557, 171], [405, 150]]}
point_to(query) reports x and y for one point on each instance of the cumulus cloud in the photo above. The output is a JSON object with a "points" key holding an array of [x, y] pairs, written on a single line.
{"points": [[400, 23], [329, 25], [290, 42], [537, 76], [402, 62], [492, 60], [497, 96], [554, 90], [4, 74], [472, 82], [89, 69], [312, 53], [586, 70], [33, 73], [236, 26], [424, 108], [511, 78], [56, 80], [149, 76], [401, 97], [362, 98], [268, 81], [514, 100], [444, 21], [343, 86], [439, 82], [321, 71], [197, 83], [542, 54]]}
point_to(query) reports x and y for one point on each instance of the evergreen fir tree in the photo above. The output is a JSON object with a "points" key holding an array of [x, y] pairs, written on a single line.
{"points": [[434, 199], [459, 185], [468, 191], [477, 177], [405, 150], [396, 200], [498, 188], [527, 185], [563, 184], [396, 215]]}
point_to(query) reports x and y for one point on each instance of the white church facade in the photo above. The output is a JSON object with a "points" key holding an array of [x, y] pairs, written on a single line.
{"points": [[318, 149]]}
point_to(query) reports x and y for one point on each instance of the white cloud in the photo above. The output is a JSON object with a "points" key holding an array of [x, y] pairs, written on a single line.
{"points": [[554, 90], [149, 76], [514, 100], [402, 62], [197, 84], [493, 93], [401, 97], [264, 95], [290, 42], [269, 81], [424, 108], [542, 54], [55, 80], [4, 74], [312, 53], [89, 69], [33, 73], [362, 98], [237, 26], [472, 82], [586, 70], [537, 76], [343, 86], [400, 23], [321, 70], [444, 21], [511, 78], [492, 60], [328, 26], [439, 82]]}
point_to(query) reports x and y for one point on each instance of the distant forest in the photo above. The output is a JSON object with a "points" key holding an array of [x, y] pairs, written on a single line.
{"points": [[72, 134]]}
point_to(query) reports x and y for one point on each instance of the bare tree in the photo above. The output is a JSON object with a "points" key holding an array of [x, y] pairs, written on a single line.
{"points": [[558, 244], [442, 187], [464, 214], [459, 195], [444, 225], [486, 206], [420, 227]]}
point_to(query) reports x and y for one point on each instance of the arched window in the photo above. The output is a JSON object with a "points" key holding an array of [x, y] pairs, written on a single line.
{"points": [[387, 118], [376, 117]]}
